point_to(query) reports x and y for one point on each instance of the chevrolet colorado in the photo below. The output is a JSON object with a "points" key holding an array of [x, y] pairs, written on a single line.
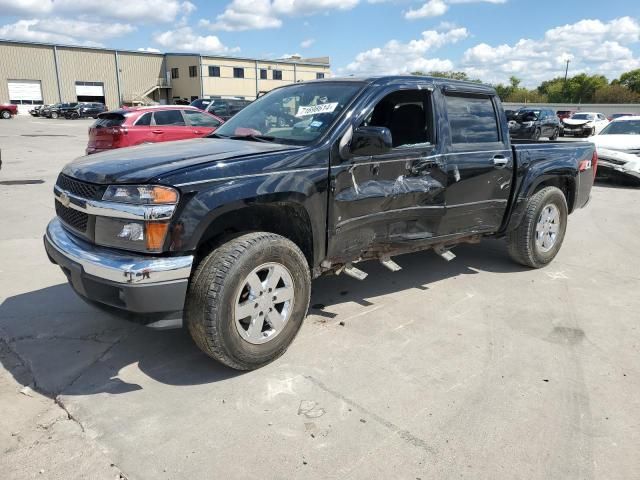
{"points": [[310, 178]]}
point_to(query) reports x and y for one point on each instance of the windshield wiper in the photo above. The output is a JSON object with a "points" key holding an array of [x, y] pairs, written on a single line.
{"points": [[216, 135], [255, 138]]}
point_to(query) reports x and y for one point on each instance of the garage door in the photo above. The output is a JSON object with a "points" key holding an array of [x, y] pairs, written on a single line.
{"points": [[25, 91], [89, 89]]}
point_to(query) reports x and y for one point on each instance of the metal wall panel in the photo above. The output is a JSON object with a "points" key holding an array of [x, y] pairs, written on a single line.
{"points": [[85, 65], [28, 62]]}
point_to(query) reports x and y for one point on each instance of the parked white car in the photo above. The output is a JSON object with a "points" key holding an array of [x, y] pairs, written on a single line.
{"points": [[618, 147], [584, 124]]}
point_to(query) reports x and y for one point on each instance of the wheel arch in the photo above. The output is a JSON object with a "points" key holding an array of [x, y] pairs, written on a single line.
{"points": [[285, 217]]}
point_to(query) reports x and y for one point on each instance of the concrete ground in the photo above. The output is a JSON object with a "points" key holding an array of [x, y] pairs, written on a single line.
{"points": [[477, 368]]}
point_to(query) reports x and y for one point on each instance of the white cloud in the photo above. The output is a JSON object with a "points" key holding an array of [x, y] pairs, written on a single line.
{"points": [[148, 49], [147, 11], [436, 8], [307, 43], [433, 8], [60, 30], [260, 14], [592, 46], [396, 57], [185, 40]]}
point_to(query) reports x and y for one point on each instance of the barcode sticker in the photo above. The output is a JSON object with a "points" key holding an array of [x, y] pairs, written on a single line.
{"points": [[314, 109]]}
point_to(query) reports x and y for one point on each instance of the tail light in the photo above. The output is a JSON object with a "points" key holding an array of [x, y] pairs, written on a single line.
{"points": [[590, 164], [118, 134]]}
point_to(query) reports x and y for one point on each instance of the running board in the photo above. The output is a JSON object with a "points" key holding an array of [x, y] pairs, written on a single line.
{"points": [[354, 272], [390, 264], [448, 255]]}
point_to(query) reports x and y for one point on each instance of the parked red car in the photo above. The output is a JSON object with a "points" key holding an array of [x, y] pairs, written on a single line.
{"points": [[127, 127], [8, 110]]}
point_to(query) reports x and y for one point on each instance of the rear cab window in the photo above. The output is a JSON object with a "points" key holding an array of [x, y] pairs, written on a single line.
{"points": [[472, 119]]}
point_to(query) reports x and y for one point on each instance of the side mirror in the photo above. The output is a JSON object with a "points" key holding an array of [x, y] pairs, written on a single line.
{"points": [[371, 141]]}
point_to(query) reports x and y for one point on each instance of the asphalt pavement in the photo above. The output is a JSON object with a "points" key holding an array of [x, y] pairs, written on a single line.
{"points": [[477, 368]]}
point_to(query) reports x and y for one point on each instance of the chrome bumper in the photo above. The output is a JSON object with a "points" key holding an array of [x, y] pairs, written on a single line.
{"points": [[116, 266]]}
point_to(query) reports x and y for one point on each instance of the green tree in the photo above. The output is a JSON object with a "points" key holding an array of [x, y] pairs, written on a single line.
{"points": [[631, 80], [616, 94], [447, 74]]}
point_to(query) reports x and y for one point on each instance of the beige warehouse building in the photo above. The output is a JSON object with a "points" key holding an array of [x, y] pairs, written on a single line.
{"points": [[36, 73]]}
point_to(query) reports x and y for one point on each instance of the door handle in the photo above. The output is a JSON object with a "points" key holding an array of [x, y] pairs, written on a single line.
{"points": [[500, 161], [157, 131]]}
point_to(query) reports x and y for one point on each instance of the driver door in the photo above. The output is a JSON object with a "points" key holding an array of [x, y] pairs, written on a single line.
{"points": [[394, 198]]}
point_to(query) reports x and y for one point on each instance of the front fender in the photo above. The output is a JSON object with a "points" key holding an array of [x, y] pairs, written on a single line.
{"points": [[204, 206]]}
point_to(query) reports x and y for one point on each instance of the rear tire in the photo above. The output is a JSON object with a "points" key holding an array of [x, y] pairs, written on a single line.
{"points": [[54, 115], [538, 238], [6, 114], [240, 275]]}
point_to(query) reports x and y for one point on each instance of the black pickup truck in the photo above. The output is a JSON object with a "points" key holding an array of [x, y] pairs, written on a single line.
{"points": [[309, 179]]}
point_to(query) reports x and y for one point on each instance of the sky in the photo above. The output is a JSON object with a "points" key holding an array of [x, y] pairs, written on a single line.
{"points": [[488, 39]]}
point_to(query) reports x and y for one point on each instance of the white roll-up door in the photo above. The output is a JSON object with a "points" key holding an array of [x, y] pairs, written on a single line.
{"points": [[21, 90], [89, 89]]}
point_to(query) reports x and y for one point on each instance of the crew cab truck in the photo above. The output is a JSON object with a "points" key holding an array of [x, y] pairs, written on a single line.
{"points": [[309, 179]]}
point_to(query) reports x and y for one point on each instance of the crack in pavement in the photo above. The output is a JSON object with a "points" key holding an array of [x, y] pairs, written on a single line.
{"points": [[406, 435]]}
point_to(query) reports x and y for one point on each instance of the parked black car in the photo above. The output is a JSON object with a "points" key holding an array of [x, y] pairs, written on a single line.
{"points": [[533, 123], [59, 109], [85, 110], [225, 109], [233, 227], [35, 111]]}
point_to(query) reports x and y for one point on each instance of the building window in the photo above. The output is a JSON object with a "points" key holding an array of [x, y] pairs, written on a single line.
{"points": [[277, 74], [319, 76], [214, 71], [193, 71], [175, 73], [238, 72], [263, 74]]}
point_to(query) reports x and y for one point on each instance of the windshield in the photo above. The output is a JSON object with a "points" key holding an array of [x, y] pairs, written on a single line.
{"points": [[626, 127], [527, 115], [296, 115], [583, 116]]}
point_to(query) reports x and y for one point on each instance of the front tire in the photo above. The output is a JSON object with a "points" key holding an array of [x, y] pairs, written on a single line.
{"points": [[536, 135], [538, 238], [247, 300], [54, 115], [6, 114], [554, 137]]}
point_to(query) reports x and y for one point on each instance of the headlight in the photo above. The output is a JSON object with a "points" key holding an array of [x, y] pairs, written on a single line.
{"points": [[128, 234], [528, 124], [141, 194]]}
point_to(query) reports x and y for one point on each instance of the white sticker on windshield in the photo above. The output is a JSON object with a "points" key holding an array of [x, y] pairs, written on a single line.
{"points": [[313, 109]]}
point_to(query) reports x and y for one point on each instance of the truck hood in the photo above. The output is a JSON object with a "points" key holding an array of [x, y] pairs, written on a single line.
{"points": [[145, 162]]}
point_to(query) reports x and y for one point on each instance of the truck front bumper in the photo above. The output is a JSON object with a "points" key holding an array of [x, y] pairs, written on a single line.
{"points": [[133, 282]]}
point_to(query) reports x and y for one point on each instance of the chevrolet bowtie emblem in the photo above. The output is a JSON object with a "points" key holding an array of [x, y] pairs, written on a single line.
{"points": [[64, 199]]}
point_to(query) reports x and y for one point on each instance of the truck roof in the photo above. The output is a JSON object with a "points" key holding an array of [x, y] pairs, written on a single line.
{"points": [[382, 80]]}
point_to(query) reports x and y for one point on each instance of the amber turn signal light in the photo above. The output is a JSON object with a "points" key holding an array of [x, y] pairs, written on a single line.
{"points": [[155, 233]]}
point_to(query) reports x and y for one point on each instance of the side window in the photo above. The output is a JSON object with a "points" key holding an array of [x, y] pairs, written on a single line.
{"points": [[168, 117], [144, 120], [405, 114], [198, 119], [600, 116], [472, 119], [219, 110]]}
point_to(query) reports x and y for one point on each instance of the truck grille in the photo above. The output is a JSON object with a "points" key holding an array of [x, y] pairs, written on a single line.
{"points": [[71, 217], [81, 189]]}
